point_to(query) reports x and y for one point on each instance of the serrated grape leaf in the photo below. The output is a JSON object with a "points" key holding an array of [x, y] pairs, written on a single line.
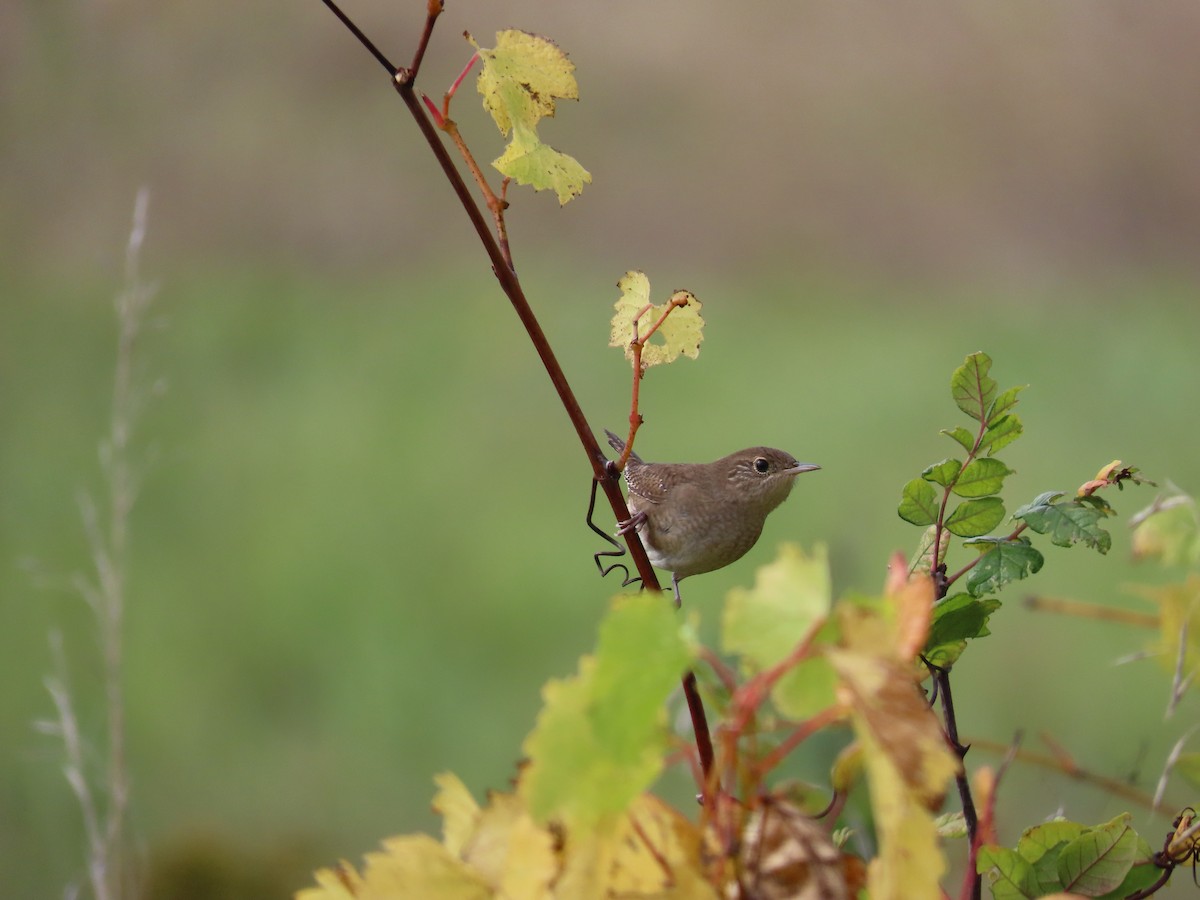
{"points": [[1003, 403], [416, 865], [971, 386], [942, 473], [981, 478], [763, 625], [521, 80], [956, 620], [601, 735], [679, 335], [459, 811], [651, 851], [973, 518], [1002, 562], [918, 503], [1067, 522], [342, 883], [523, 77], [1003, 432], [528, 161], [1098, 860], [1009, 875]]}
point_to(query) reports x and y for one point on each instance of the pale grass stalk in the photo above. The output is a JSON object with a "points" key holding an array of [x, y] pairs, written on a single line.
{"points": [[103, 797]]}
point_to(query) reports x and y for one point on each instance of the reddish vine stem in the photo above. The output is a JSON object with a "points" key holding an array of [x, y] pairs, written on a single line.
{"points": [[607, 476], [639, 371]]}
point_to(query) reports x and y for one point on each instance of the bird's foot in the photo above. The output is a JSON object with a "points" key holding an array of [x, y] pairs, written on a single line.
{"points": [[633, 523]]}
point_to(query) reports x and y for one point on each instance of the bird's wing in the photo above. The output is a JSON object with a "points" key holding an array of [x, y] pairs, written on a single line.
{"points": [[645, 482]]}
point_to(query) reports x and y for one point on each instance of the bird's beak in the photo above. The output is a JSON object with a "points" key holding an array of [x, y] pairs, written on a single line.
{"points": [[801, 468]]}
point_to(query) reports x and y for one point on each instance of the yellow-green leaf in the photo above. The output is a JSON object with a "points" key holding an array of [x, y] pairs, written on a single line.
{"points": [[522, 77], [680, 333], [600, 738], [528, 161]]}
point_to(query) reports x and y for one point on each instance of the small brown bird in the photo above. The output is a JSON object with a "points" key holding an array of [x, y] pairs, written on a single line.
{"points": [[698, 517]]}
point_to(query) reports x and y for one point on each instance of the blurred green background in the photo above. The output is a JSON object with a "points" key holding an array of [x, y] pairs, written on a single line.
{"points": [[359, 549]]}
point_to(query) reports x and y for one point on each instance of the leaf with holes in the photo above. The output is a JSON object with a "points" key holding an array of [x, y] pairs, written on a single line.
{"points": [[680, 334]]}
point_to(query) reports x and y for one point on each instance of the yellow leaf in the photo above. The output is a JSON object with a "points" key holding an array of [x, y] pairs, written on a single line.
{"points": [[418, 866], [514, 855], [528, 161], [650, 851], [342, 883], [680, 333], [908, 764], [460, 812], [522, 77]]}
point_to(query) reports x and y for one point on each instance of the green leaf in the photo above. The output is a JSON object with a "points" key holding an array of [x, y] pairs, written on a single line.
{"points": [[919, 503], [981, 478], [956, 620], [601, 735], [1141, 876], [1005, 561], [964, 437], [1038, 840], [1066, 522], [973, 390], [942, 473], [1003, 404], [1003, 432], [1098, 860], [1010, 877], [764, 624], [975, 517]]}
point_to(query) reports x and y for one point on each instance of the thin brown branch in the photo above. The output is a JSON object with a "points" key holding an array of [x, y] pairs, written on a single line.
{"points": [[1114, 786], [1083, 610], [608, 477]]}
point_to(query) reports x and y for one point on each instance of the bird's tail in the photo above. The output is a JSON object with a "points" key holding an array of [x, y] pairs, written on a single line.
{"points": [[619, 445]]}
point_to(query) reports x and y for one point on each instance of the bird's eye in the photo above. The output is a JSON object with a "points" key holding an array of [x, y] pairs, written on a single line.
{"points": [[761, 465]]}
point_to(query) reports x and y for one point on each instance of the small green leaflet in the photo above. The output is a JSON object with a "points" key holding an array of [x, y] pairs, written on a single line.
{"points": [[1067, 522], [964, 437], [919, 503], [981, 478], [972, 518], [1002, 561], [944, 472], [1001, 433], [956, 620], [971, 386], [1002, 404]]}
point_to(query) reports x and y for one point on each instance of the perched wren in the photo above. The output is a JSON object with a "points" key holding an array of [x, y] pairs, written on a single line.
{"points": [[697, 517]]}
